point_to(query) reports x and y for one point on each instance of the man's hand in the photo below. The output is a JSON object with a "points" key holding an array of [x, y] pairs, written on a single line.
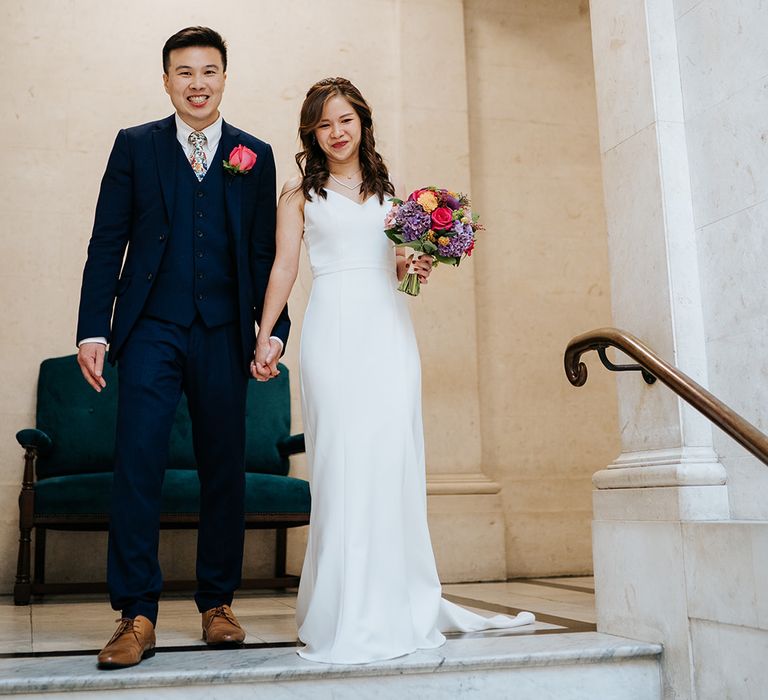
{"points": [[90, 357], [264, 365], [422, 266]]}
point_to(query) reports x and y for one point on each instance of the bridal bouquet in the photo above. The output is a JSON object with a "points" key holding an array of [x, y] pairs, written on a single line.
{"points": [[434, 221]]}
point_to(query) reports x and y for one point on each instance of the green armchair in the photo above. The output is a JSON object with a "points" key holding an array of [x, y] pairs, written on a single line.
{"points": [[68, 472]]}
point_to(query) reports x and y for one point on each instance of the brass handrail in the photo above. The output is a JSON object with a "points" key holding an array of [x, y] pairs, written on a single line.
{"points": [[651, 364]]}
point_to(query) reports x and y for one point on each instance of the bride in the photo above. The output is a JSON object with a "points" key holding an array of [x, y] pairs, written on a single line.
{"points": [[369, 586]]}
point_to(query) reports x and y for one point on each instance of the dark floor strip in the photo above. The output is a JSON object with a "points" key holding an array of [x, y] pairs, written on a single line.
{"points": [[159, 650], [549, 584], [568, 624]]}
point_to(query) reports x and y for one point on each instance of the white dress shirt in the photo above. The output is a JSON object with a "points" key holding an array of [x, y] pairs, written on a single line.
{"points": [[212, 136]]}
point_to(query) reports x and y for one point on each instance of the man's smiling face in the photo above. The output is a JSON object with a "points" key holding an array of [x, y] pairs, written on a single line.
{"points": [[195, 82]]}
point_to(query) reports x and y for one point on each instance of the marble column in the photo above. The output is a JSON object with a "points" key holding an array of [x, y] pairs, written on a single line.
{"points": [[465, 509], [668, 471], [666, 444]]}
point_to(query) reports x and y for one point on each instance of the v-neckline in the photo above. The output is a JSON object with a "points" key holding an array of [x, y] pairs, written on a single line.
{"points": [[359, 204]]}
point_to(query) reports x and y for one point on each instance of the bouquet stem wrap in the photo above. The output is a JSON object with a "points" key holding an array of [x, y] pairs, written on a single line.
{"points": [[410, 284]]}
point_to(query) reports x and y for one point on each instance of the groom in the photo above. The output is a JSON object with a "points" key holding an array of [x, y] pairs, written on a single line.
{"points": [[182, 247]]}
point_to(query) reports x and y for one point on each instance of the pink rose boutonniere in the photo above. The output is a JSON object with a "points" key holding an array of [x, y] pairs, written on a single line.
{"points": [[241, 160]]}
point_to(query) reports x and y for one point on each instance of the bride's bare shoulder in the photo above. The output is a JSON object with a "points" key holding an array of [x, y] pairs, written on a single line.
{"points": [[291, 185], [291, 193], [290, 205]]}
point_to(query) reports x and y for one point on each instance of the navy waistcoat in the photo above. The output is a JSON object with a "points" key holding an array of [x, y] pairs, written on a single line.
{"points": [[197, 273]]}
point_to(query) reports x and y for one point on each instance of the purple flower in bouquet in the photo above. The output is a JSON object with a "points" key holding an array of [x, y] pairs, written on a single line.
{"points": [[457, 244], [452, 202], [413, 220]]}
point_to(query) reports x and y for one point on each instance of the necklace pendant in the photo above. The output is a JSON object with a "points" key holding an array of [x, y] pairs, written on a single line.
{"points": [[344, 184]]}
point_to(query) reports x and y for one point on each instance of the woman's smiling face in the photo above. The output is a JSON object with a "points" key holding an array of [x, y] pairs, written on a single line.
{"points": [[339, 131]]}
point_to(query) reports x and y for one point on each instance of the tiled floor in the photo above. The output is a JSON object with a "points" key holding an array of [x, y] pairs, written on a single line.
{"points": [[59, 624]]}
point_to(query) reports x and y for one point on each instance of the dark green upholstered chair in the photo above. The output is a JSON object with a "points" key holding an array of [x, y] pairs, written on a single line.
{"points": [[68, 471]]}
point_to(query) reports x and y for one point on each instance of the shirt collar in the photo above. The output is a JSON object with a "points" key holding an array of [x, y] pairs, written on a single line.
{"points": [[212, 132]]}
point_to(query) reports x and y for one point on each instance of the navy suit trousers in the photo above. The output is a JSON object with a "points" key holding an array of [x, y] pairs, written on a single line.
{"points": [[158, 362]]}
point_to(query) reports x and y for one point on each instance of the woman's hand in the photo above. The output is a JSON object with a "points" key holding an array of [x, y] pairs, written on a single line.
{"points": [[422, 266]]}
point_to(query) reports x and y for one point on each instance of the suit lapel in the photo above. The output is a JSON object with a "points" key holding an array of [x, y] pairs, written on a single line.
{"points": [[233, 185], [166, 153]]}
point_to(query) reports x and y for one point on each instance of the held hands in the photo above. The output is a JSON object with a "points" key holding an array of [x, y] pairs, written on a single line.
{"points": [[90, 357], [264, 364]]}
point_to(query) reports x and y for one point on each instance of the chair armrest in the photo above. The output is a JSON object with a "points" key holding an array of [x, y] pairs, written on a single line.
{"points": [[32, 438], [292, 445]]}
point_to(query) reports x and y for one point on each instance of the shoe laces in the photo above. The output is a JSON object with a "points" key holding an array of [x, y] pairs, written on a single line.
{"points": [[225, 612], [127, 626]]}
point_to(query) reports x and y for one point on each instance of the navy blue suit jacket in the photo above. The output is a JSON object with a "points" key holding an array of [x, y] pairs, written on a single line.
{"points": [[134, 212]]}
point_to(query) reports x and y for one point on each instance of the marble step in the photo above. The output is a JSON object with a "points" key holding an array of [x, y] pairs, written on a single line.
{"points": [[586, 665]]}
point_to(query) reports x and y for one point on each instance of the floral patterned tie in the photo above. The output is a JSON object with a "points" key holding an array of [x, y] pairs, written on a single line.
{"points": [[197, 158]]}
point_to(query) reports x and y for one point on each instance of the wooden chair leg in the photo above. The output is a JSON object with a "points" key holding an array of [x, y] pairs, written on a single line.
{"points": [[281, 549], [40, 533], [22, 590]]}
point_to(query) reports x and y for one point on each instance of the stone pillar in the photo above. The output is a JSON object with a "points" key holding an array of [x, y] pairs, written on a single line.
{"points": [[465, 510], [668, 471]]}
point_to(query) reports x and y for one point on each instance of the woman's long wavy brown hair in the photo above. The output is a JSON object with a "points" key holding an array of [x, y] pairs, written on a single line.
{"points": [[311, 160]]}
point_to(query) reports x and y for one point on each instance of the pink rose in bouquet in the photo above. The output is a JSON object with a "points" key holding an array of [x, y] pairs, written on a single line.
{"points": [[442, 219]]}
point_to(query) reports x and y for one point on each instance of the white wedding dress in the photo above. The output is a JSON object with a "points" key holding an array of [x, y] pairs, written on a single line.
{"points": [[369, 587]]}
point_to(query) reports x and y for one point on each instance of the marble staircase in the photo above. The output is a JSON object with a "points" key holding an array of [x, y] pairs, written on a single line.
{"points": [[584, 665]]}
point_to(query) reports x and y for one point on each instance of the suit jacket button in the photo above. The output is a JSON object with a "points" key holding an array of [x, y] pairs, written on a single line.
{"points": [[161, 237], [200, 254], [200, 297], [149, 276]]}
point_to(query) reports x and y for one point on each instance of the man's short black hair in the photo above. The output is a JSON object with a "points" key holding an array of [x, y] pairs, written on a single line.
{"points": [[195, 36]]}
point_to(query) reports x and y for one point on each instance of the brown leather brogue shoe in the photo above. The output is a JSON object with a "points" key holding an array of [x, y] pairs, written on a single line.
{"points": [[133, 641], [220, 626]]}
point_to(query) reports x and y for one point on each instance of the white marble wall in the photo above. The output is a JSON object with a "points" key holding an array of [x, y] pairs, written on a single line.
{"points": [[724, 72], [727, 581], [699, 588], [640, 590], [682, 92]]}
